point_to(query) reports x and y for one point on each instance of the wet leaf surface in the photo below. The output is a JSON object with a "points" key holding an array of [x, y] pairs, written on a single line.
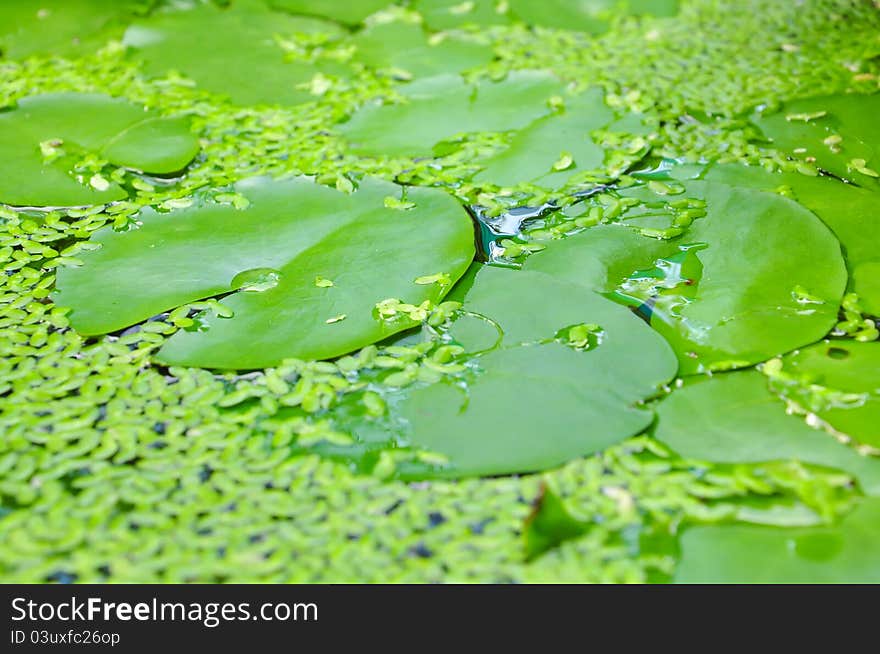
{"points": [[537, 400], [837, 133], [838, 381], [850, 211], [292, 233], [723, 289], [45, 136]]}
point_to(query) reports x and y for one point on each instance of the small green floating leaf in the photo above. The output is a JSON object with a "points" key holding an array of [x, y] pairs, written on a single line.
{"points": [[842, 553], [443, 106], [284, 242], [115, 130]]}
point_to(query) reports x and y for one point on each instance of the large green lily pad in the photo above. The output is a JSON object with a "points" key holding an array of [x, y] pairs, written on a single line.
{"points": [[843, 553], [546, 394], [852, 213], [553, 148], [446, 14], [591, 16], [441, 107], [758, 276], [235, 54], [839, 381], [350, 12], [735, 418], [310, 263], [840, 133], [61, 27], [42, 139], [405, 47]]}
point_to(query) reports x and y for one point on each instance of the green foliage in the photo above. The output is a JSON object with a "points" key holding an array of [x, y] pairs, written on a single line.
{"points": [[839, 554], [535, 402], [47, 141], [236, 53], [369, 252], [114, 468], [439, 108]]}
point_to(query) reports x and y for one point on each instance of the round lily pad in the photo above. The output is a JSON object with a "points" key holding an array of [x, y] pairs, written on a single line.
{"points": [[550, 150], [839, 133], [43, 138], [309, 264], [405, 47], [441, 107], [565, 381], [235, 54], [757, 276], [842, 553], [849, 210], [735, 418], [61, 27]]}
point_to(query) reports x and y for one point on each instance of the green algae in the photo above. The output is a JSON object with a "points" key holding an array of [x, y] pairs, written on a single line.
{"points": [[114, 469]]}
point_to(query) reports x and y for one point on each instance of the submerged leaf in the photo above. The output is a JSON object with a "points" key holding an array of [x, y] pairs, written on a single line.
{"points": [[735, 418], [549, 524], [843, 553], [68, 126], [293, 233]]}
